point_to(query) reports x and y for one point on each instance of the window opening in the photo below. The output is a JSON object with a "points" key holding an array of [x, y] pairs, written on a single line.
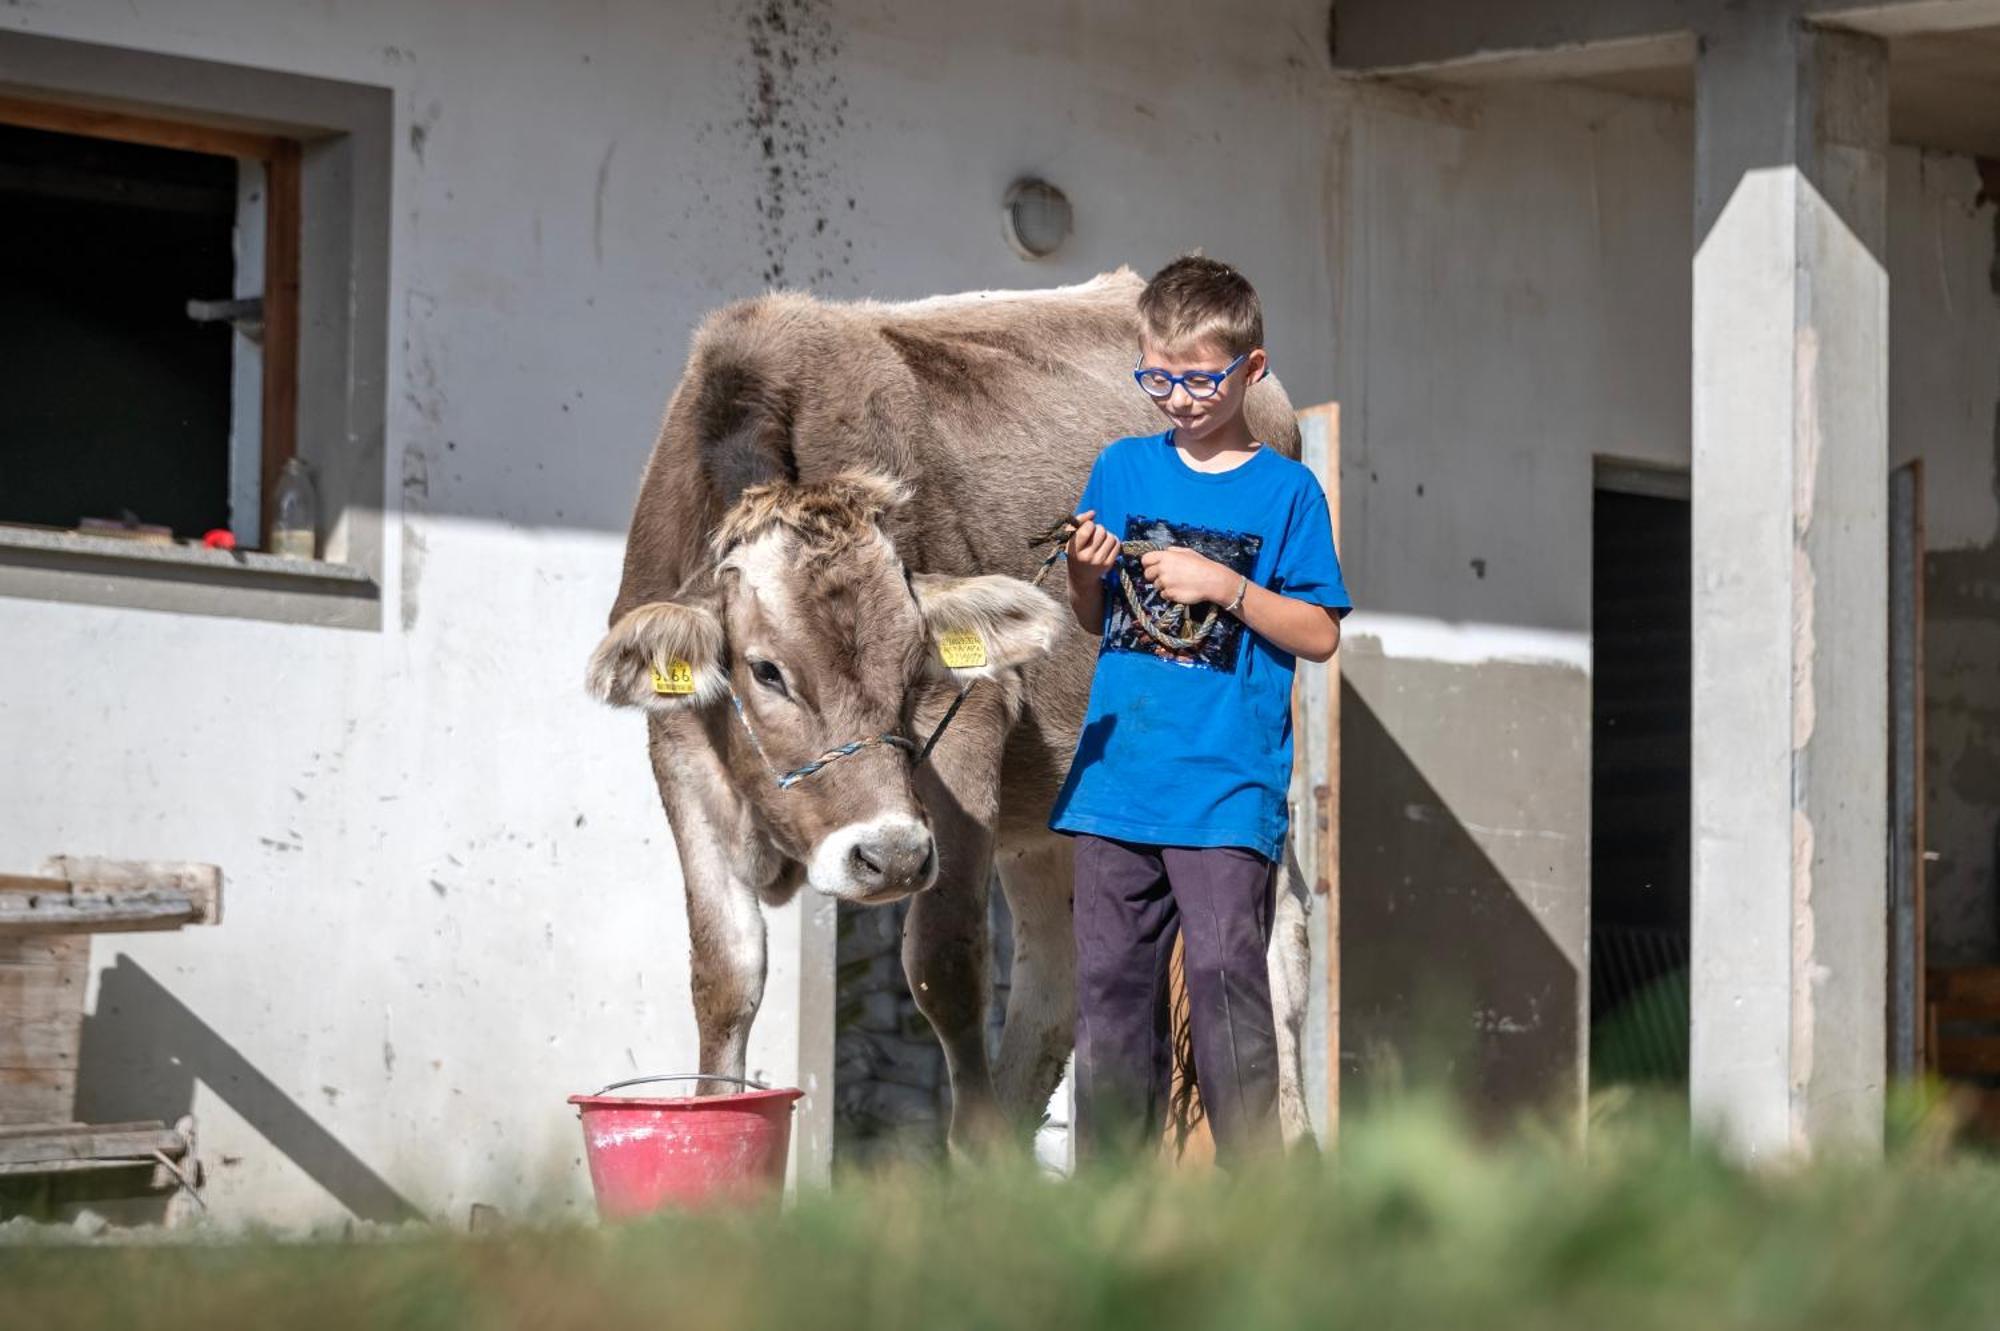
{"points": [[148, 323]]}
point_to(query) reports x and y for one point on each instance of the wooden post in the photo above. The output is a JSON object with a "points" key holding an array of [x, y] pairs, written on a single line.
{"points": [[1319, 428]]}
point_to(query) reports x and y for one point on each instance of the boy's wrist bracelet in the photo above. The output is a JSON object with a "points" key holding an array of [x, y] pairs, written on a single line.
{"points": [[1242, 590]]}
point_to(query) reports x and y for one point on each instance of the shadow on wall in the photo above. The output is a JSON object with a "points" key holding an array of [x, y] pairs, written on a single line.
{"points": [[1447, 978], [143, 1050]]}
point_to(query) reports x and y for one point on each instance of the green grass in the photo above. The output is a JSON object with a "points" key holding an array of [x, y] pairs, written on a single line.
{"points": [[1411, 1226]]}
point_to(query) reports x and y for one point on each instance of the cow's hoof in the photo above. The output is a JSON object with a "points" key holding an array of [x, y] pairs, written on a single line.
{"points": [[984, 1138]]}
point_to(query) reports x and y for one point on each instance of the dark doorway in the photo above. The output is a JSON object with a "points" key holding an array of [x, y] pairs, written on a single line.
{"points": [[1641, 607]]}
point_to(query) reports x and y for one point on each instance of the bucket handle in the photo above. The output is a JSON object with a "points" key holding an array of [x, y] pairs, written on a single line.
{"points": [[684, 1076]]}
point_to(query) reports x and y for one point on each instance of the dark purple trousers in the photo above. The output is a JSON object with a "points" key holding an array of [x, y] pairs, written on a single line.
{"points": [[1130, 902]]}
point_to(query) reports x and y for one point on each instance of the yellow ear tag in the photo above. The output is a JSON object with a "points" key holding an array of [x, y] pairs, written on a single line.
{"points": [[678, 681], [962, 649]]}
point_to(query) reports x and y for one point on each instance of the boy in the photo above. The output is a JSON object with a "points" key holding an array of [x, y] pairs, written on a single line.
{"points": [[1205, 561]]}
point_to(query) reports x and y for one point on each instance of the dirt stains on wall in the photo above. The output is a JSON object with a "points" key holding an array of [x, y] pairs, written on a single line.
{"points": [[794, 114]]}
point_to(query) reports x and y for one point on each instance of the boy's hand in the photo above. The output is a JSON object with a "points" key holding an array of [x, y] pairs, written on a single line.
{"points": [[1092, 549], [1186, 578]]}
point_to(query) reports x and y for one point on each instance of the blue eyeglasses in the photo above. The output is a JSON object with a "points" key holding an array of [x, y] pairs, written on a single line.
{"points": [[1159, 385]]}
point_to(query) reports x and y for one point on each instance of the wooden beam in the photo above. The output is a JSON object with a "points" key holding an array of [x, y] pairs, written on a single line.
{"points": [[24, 914], [61, 1144], [65, 118], [1968, 1055], [202, 883], [1966, 993], [1329, 845], [65, 1128], [1325, 869]]}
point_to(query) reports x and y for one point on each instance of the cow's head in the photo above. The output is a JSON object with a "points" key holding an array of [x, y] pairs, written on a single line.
{"points": [[823, 636]]}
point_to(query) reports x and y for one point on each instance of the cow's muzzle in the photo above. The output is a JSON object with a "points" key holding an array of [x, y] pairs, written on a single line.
{"points": [[875, 862]]}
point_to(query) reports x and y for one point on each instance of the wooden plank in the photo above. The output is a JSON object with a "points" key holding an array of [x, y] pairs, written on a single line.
{"points": [[282, 219], [1969, 1055], [92, 122], [92, 874], [1978, 1109], [36, 1168], [41, 1025], [124, 1143], [77, 1129], [38, 913], [1960, 993]]}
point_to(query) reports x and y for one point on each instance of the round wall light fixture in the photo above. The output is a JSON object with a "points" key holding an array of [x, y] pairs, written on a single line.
{"points": [[1036, 218]]}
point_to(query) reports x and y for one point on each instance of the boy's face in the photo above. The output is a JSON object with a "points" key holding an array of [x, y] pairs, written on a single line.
{"points": [[1197, 418]]}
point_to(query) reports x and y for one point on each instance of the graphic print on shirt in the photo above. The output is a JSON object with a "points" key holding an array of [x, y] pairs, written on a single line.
{"points": [[1122, 633]]}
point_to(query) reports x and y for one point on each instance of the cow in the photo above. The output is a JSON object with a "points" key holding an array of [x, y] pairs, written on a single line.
{"points": [[839, 492]]}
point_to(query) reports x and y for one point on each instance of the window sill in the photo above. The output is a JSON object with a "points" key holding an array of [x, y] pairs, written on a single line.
{"points": [[47, 565]]}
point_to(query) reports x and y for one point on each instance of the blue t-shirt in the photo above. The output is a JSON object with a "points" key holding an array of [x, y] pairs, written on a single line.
{"points": [[1195, 748]]}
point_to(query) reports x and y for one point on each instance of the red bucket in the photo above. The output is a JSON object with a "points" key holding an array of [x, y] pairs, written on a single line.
{"points": [[646, 1153]]}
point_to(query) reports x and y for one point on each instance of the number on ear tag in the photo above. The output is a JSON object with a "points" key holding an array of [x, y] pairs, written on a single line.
{"points": [[962, 649], [678, 681]]}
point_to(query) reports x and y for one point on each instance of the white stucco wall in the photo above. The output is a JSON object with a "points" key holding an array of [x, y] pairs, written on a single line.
{"points": [[451, 895]]}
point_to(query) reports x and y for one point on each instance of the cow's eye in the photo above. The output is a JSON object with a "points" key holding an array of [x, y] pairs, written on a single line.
{"points": [[769, 676]]}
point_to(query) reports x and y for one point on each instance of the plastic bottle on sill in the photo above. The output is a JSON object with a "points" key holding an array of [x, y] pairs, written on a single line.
{"points": [[295, 515]]}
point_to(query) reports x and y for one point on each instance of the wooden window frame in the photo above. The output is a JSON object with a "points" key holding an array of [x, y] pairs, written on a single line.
{"points": [[281, 158]]}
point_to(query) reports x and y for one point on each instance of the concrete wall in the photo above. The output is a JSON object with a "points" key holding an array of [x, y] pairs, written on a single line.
{"points": [[451, 897], [1515, 304], [1944, 409], [1514, 293]]}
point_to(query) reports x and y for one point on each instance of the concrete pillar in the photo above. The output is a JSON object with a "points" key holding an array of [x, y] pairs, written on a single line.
{"points": [[1790, 548]]}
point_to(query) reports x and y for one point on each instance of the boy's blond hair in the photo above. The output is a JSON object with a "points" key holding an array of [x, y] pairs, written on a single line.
{"points": [[1195, 299]]}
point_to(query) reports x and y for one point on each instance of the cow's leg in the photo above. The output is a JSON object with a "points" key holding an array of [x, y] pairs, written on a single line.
{"points": [[723, 864], [726, 929], [946, 943], [1041, 1002], [1290, 958], [946, 940]]}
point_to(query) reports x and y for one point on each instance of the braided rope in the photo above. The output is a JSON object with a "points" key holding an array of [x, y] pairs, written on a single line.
{"points": [[804, 770], [1171, 629], [786, 780]]}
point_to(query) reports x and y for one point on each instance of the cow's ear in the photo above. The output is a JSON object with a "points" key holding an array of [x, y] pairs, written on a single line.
{"points": [[979, 626], [661, 656]]}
